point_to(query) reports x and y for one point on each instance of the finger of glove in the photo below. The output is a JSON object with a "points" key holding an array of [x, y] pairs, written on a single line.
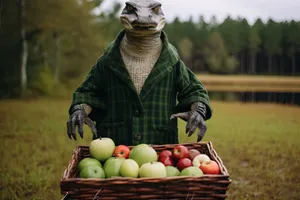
{"points": [[201, 133], [183, 116], [195, 125], [91, 124], [73, 126], [191, 123], [80, 125], [69, 129]]}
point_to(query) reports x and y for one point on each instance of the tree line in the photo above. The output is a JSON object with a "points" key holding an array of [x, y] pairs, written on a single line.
{"points": [[49, 46], [236, 47]]}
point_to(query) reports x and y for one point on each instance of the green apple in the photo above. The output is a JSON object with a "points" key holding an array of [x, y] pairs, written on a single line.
{"points": [[172, 171], [102, 149], [92, 171], [129, 168], [191, 171], [112, 166], [86, 162], [142, 154], [153, 170]]}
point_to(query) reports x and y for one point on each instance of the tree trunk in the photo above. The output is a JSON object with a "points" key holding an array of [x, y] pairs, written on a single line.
{"points": [[269, 64], [281, 65], [1, 12], [293, 56], [236, 56], [293, 64], [24, 52], [253, 62], [242, 62], [56, 56]]}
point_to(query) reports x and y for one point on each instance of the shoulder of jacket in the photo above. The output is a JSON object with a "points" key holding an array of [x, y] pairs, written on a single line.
{"points": [[173, 50], [105, 53]]}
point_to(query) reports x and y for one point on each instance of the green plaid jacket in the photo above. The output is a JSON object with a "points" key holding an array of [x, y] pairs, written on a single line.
{"points": [[130, 118]]}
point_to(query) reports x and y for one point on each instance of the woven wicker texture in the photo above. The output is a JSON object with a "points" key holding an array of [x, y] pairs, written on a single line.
{"points": [[179, 187]]}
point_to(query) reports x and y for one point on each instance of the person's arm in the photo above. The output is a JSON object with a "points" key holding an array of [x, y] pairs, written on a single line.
{"points": [[191, 90], [86, 99], [193, 101]]}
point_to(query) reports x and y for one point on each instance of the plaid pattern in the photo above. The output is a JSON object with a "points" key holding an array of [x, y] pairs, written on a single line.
{"points": [[130, 118]]}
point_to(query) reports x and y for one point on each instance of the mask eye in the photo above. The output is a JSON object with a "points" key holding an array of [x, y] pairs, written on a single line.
{"points": [[130, 8], [156, 9]]}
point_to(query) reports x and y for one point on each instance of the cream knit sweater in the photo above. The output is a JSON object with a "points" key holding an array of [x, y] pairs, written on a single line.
{"points": [[140, 55]]}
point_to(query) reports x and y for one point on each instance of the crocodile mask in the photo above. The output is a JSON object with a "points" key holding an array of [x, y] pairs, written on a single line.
{"points": [[142, 17]]}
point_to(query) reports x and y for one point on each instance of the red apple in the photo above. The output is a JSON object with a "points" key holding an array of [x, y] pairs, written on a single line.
{"points": [[183, 163], [165, 153], [210, 167], [166, 160], [180, 151], [122, 151], [193, 153]]}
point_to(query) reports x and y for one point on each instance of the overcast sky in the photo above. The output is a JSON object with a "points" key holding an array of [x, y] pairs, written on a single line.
{"points": [[278, 10]]}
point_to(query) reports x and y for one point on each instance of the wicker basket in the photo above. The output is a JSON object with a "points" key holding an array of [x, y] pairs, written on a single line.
{"points": [[179, 187]]}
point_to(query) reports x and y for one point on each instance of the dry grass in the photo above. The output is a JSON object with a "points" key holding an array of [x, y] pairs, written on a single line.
{"points": [[251, 83], [259, 144]]}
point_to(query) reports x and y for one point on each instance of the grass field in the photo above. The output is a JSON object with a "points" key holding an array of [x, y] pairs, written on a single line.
{"points": [[257, 83], [258, 143]]}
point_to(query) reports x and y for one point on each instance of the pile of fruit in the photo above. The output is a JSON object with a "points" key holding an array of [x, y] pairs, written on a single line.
{"points": [[107, 161]]}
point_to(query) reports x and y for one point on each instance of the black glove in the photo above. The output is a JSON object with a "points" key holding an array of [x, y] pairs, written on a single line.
{"points": [[195, 119], [77, 118]]}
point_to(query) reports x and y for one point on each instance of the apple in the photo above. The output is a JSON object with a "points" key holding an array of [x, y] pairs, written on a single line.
{"points": [[199, 159], [102, 149], [153, 170], [191, 171], [121, 151], [86, 162], [167, 161], [129, 168], [172, 171], [92, 171], [210, 167], [180, 151], [112, 166], [165, 153], [193, 153], [142, 154], [184, 163]]}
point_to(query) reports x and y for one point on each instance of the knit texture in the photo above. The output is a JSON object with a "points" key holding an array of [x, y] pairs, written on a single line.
{"points": [[139, 56]]}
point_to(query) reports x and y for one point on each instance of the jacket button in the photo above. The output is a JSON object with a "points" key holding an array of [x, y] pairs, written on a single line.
{"points": [[138, 136]]}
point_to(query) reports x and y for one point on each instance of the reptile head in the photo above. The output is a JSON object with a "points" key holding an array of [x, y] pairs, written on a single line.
{"points": [[143, 17]]}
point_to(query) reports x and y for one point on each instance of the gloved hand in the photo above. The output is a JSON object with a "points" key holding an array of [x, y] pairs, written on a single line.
{"points": [[195, 119], [79, 116]]}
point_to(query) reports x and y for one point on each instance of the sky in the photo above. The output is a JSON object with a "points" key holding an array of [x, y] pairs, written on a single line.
{"points": [[278, 10]]}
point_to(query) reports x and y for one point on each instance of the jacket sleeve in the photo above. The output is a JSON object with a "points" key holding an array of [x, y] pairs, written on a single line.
{"points": [[190, 90], [90, 91]]}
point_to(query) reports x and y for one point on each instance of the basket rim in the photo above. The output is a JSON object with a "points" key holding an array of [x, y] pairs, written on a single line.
{"points": [[224, 175]]}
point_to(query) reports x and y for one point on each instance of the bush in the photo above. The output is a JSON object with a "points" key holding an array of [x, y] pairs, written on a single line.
{"points": [[43, 82]]}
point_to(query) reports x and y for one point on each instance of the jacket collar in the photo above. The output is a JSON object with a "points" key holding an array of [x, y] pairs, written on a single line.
{"points": [[167, 59]]}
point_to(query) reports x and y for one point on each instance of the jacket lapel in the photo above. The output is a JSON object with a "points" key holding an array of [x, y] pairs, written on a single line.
{"points": [[115, 63], [163, 66]]}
